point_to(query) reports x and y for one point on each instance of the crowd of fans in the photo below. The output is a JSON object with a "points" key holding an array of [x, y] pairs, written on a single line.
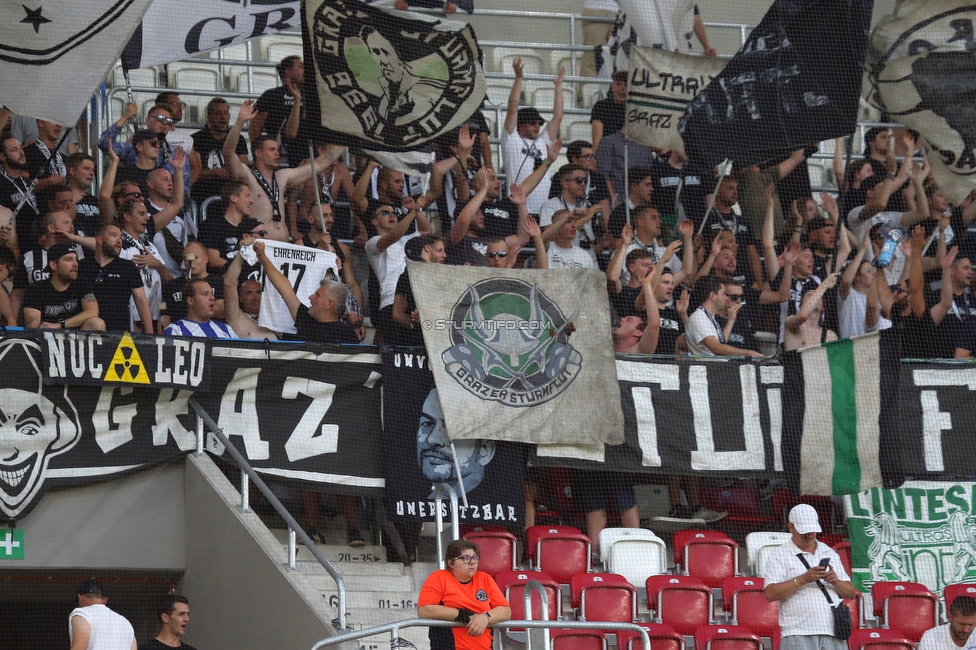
{"points": [[695, 263]]}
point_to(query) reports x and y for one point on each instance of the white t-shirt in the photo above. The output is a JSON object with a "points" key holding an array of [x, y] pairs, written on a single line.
{"points": [[151, 279], [182, 232], [700, 326], [388, 265], [804, 613], [851, 312], [107, 630], [303, 266], [519, 156], [554, 205], [939, 638], [570, 258]]}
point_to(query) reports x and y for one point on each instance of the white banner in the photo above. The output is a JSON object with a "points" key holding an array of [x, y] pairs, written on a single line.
{"points": [[660, 87], [56, 54], [503, 340]]}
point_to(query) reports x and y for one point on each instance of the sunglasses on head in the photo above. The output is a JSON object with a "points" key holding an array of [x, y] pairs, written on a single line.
{"points": [[159, 117], [493, 254]]}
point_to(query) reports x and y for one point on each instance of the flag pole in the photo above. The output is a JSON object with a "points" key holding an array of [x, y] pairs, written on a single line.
{"points": [[128, 92], [315, 184], [44, 167], [457, 468], [711, 202], [626, 189]]}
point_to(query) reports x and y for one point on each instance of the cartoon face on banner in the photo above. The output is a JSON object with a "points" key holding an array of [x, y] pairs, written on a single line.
{"points": [[434, 450], [34, 427]]}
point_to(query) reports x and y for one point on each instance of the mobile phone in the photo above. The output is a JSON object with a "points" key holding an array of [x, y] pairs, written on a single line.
{"points": [[824, 563]]}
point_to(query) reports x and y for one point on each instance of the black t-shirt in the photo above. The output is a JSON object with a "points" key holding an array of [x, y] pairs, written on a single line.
{"points": [[671, 329], [56, 305], [618, 219], [667, 180], [623, 302], [945, 336], [401, 335], [156, 644], [87, 215], [223, 236], [112, 285], [32, 268], [12, 190], [277, 103], [175, 307], [37, 159], [312, 331], [610, 113], [133, 174], [716, 221], [501, 217], [470, 250], [211, 157], [743, 333]]}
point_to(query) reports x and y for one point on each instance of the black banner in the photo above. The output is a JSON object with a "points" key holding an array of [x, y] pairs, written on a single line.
{"points": [[419, 454], [796, 81], [101, 358]]}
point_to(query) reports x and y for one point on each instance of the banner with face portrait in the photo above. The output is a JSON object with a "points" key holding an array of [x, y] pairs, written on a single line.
{"points": [[419, 454]]}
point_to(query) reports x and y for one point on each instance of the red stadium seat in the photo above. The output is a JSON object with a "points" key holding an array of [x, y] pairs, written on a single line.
{"points": [[952, 592], [481, 528], [856, 605], [663, 637], [683, 602], [878, 639], [562, 639], [499, 551], [706, 554], [533, 533], [603, 597], [512, 585], [726, 637], [560, 551], [906, 607], [844, 551], [745, 601]]}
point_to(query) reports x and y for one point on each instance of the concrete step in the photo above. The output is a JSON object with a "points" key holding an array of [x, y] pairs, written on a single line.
{"points": [[334, 552], [389, 584], [364, 568], [402, 600]]}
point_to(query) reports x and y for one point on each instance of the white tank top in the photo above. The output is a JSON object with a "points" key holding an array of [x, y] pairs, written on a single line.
{"points": [[108, 630]]}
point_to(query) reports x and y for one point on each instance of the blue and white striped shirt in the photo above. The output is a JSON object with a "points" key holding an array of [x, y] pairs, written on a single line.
{"points": [[211, 329]]}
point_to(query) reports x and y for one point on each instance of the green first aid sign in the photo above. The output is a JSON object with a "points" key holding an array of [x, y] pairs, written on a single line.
{"points": [[924, 531], [11, 544]]}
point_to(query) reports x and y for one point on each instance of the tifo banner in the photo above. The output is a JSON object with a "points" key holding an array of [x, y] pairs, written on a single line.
{"points": [[419, 453], [61, 51], [387, 80], [795, 81], [520, 355], [919, 68], [920, 532], [172, 30], [662, 84], [101, 358]]}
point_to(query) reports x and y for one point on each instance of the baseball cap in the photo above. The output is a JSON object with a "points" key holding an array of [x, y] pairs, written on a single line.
{"points": [[529, 115], [804, 519], [413, 248], [817, 223], [58, 251], [91, 587]]}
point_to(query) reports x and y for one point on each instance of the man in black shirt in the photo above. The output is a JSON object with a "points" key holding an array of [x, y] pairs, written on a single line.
{"points": [[320, 323], [607, 116], [40, 151], [406, 319], [950, 323], [62, 302], [13, 187], [207, 156], [582, 153], [113, 279], [273, 108], [221, 234], [146, 146], [469, 237], [723, 217], [745, 317], [174, 615], [81, 174], [672, 173], [641, 189]]}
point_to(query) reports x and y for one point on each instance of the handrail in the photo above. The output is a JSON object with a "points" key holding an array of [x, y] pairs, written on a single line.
{"points": [[293, 527], [530, 586], [395, 627], [439, 518]]}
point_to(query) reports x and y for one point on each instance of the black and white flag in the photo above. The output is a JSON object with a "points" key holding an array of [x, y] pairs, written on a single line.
{"points": [[56, 54], [387, 80], [796, 81], [172, 30]]}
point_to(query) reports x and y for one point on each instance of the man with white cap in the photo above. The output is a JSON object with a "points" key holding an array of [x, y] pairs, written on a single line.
{"points": [[800, 574]]}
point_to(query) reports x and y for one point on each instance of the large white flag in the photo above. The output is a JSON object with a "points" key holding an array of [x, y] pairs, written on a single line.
{"points": [[520, 355], [55, 54]]}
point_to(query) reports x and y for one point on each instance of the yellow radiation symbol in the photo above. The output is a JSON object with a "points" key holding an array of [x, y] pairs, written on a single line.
{"points": [[127, 365]]}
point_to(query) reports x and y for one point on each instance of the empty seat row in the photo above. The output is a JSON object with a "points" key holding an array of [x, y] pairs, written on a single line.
{"points": [[662, 637]]}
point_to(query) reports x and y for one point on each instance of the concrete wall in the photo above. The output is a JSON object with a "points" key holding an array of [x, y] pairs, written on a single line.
{"points": [[135, 522], [242, 596]]}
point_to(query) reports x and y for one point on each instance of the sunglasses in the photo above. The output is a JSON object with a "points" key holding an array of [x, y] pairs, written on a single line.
{"points": [[135, 195], [493, 254], [469, 559], [168, 121], [586, 156], [734, 296], [155, 143], [579, 179]]}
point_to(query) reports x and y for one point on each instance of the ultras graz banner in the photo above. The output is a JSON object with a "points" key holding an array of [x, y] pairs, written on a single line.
{"points": [[420, 454], [920, 532], [295, 413], [387, 80]]}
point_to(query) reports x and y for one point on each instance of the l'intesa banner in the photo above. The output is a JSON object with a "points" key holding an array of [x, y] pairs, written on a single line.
{"points": [[349, 420]]}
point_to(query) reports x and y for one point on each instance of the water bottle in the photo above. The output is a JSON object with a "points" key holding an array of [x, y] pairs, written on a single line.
{"points": [[892, 239]]}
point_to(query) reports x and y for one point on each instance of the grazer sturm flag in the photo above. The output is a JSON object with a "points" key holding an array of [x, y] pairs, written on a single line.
{"points": [[520, 355], [660, 87], [796, 81], [840, 415], [173, 30], [920, 72], [387, 80], [55, 54]]}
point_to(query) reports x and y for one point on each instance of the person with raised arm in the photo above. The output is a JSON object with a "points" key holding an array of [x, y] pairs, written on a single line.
{"points": [[805, 328]]}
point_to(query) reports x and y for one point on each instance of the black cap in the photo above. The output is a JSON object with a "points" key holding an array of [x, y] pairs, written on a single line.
{"points": [[91, 587], [414, 247], [817, 223], [529, 115], [58, 251]]}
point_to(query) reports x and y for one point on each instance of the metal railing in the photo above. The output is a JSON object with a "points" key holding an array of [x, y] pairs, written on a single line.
{"points": [[394, 629], [439, 490], [294, 529]]}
